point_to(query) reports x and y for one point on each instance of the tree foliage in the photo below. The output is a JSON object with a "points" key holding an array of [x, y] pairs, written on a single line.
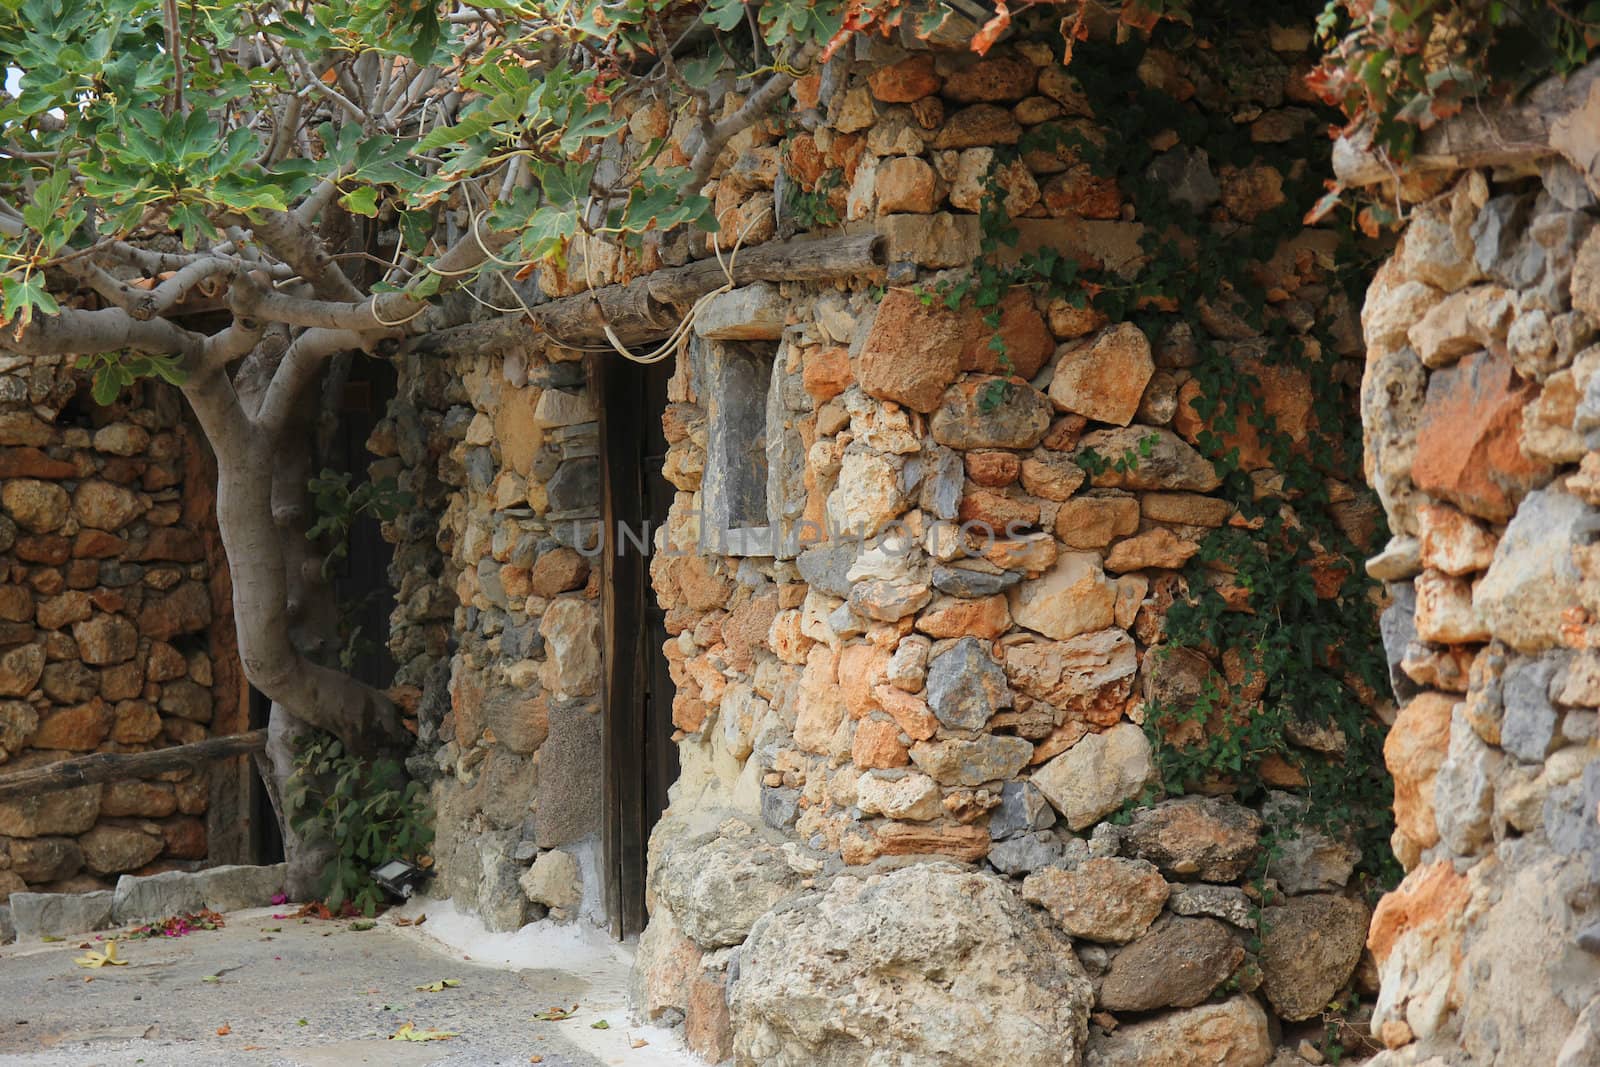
{"points": [[486, 124], [1404, 66]]}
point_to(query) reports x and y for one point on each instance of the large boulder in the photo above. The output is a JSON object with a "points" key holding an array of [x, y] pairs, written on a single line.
{"points": [[1073, 597], [913, 351], [1159, 459], [1088, 677], [1524, 969], [1306, 858], [1468, 437], [63, 811], [1393, 390], [966, 686], [1104, 379], [111, 849], [719, 883], [985, 758], [45, 859], [990, 412], [928, 964]]}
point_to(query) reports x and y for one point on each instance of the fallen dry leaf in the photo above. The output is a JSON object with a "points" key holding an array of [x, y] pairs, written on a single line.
{"points": [[409, 1032], [638, 1042], [554, 1015], [108, 958], [439, 986], [224, 1030]]}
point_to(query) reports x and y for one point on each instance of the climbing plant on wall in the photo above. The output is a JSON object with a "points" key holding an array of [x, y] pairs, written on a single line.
{"points": [[1279, 595]]}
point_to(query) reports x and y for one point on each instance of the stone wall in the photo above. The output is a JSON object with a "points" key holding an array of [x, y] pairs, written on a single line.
{"points": [[496, 629], [917, 576], [919, 817], [115, 633], [1480, 403]]}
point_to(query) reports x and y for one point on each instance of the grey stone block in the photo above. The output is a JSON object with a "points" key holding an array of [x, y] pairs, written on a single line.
{"points": [[576, 486], [61, 914], [1022, 809], [734, 485], [826, 568], [752, 313], [155, 897], [1186, 174], [1529, 730], [1398, 628], [233, 887], [8, 932], [943, 483], [1569, 821], [779, 807], [1022, 855], [1225, 902], [501, 904], [966, 686]]}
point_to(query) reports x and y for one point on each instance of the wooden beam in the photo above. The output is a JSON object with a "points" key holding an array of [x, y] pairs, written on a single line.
{"points": [[651, 307], [114, 766], [1502, 133]]}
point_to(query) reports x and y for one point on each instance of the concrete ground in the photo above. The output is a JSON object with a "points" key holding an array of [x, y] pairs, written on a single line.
{"points": [[307, 993]]}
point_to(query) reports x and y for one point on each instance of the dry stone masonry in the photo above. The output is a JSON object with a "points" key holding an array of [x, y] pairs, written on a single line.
{"points": [[920, 818], [115, 634], [1480, 402], [916, 576], [496, 629]]}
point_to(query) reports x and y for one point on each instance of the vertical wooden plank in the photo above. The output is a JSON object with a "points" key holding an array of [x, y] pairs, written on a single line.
{"points": [[610, 828], [622, 584]]}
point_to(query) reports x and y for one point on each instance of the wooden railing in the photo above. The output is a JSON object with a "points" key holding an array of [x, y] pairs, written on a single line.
{"points": [[111, 766]]}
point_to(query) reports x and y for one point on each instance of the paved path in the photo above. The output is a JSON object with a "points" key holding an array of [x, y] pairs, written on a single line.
{"points": [[311, 994]]}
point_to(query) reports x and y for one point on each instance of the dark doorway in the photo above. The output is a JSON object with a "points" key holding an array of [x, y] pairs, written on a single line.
{"points": [[641, 759], [360, 580]]}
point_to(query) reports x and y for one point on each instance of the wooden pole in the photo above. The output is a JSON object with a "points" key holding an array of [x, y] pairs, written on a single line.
{"points": [[651, 307], [113, 766]]}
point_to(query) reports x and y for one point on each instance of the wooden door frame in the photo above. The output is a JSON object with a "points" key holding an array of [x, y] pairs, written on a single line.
{"points": [[622, 591]]}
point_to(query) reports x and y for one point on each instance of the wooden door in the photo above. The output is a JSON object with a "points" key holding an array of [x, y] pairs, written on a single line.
{"points": [[641, 759]]}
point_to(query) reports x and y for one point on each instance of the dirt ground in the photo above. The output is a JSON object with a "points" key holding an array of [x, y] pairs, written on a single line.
{"points": [[281, 991]]}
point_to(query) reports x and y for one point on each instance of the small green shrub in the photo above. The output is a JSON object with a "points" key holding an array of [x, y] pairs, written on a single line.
{"points": [[366, 810]]}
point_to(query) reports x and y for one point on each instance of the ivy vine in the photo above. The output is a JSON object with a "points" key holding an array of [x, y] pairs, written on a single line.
{"points": [[1282, 590]]}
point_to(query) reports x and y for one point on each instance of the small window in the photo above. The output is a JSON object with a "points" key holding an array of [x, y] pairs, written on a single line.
{"points": [[733, 380]]}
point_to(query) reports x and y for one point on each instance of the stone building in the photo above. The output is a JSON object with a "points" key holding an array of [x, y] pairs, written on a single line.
{"points": [[845, 638], [862, 746]]}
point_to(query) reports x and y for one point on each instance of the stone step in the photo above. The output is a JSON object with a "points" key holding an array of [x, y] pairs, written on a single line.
{"points": [[141, 899]]}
